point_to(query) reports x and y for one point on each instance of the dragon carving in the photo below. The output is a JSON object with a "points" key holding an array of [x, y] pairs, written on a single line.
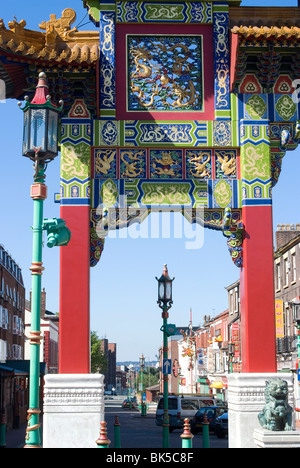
{"points": [[173, 84], [201, 169]]}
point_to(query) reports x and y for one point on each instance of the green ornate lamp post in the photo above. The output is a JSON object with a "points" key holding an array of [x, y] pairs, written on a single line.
{"points": [[165, 303], [129, 386], [143, 405], [231, 348], [179, 375], [40, 144], [296, 317]]}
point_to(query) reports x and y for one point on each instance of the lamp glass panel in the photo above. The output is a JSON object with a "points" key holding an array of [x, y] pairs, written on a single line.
{"points": [[168, 291], [38, 129], [161, 291], [26, 132], [52, 131]]}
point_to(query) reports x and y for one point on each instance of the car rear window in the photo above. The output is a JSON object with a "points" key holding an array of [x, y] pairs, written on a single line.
{"points": [[189, 404], [208, 402], [172, 404], [221, 411]]}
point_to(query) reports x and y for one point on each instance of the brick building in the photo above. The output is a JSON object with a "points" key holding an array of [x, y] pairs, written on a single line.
{"points": [[110, 352], [12, 308], [50, 333], [13, 382], [287, 290]]}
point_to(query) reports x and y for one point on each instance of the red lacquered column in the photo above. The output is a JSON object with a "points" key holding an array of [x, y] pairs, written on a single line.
{"points": [[258, 339], [74, 318]]}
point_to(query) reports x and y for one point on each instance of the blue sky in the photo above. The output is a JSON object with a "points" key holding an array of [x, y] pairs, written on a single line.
{"points": [[123, 285]]}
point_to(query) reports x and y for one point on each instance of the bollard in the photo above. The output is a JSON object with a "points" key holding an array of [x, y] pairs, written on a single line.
{"points": [[187, 436], [205, 428], [103, 441], [144, 409], [117, 433], [2, 431]]}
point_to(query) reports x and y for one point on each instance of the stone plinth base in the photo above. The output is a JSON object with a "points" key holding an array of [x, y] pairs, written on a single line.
{"points": [[73, 410], [280, 439], [246, 398]]}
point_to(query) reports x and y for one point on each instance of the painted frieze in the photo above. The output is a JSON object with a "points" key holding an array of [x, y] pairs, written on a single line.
{"points": [[169, 135], [175, 12]]}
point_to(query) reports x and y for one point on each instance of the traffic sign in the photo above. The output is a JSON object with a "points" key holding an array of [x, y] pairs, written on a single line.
{"points": [[167, 366]]}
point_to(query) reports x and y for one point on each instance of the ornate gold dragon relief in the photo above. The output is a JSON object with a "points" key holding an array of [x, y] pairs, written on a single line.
{"points": [[199, 164], [165, 164], [133, 163], [226, 164], [165, 73], [105, 163]]}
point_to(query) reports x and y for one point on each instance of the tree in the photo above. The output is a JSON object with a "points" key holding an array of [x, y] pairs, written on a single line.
{"points": [[98, 358], [150, 377]]}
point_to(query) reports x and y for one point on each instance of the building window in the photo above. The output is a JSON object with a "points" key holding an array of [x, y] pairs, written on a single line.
{"points": [[236, 298], [294, 268], [278, 276], [4, 318], [231, 308], [3, 351], [15, 325], [286, 271]]}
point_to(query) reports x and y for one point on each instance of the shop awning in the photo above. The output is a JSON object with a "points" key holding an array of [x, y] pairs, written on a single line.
{"points": [[217, 385]]}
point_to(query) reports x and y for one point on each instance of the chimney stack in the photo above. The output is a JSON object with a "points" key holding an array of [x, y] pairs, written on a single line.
{"points": [[285, 233]]}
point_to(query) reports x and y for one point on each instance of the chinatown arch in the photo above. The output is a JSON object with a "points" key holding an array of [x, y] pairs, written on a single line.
{"points": [[166, 104]]}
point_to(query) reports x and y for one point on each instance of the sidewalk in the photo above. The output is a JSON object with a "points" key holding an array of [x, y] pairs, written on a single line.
{"points": [[15, 438]]}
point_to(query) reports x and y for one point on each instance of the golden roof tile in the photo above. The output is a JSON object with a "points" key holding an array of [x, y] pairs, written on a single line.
{"points": [[59, 43], [273, 32]]}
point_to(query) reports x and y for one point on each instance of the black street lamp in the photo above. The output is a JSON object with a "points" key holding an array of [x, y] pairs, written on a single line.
{"points": [[40, 131]]}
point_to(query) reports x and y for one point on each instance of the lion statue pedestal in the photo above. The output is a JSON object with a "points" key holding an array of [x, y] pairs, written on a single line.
{"points": [[276, 418], [247, 406]]}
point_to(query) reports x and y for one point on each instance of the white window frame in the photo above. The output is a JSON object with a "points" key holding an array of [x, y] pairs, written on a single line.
{"points": [[4, 320], [278, 276], [294, 267]]}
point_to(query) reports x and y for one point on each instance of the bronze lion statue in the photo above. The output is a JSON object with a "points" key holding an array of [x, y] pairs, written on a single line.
{"points": [[277, 413]]}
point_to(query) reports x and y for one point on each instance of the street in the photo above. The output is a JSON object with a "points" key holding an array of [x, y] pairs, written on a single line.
{"points": [[136, 431], [142, 432]]}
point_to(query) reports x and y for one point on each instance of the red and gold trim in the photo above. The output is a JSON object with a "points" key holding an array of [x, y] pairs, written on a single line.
{"points": [[31, 412], [38, 191], [37, 268], [35, 338]]}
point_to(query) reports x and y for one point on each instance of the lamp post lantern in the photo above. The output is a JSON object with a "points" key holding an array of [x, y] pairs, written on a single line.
{"points": [[165, 303], [40, 144]]}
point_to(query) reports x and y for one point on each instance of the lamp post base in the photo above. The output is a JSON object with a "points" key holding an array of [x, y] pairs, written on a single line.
{"points": [[73, 410]]}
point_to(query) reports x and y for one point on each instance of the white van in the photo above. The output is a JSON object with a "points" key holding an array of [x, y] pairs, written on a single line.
{"points": [[181, 407]]}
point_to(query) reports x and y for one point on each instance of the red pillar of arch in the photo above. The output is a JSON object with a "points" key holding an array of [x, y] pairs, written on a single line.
{"points": [[258, 339], [74, 318]]}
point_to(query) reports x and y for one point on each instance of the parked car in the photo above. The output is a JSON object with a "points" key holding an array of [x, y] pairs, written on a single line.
{"points": [[221, 428], [130, 404], [212, 413], [181, 407]]}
